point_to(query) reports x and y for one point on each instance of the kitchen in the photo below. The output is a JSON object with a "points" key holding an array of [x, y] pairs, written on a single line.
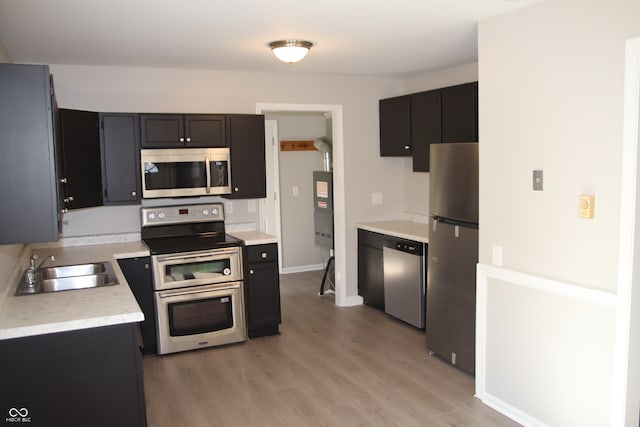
{"points": [[530, 98]]}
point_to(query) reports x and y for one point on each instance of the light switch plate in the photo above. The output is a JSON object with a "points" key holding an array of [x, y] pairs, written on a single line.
{"points": [[376, 198], [537, 180]]}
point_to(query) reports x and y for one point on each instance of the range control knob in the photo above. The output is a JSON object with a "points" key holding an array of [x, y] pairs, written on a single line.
{"points": [[151, 216], [214, 211], [205, 212], [161, 215]]}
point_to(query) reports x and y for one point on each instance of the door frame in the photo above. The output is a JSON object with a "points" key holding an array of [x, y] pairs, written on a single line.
{"points": [[339, 204], [626, 390]]}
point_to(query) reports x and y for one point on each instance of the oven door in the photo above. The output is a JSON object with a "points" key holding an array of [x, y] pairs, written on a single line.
{"points": [[185, 172], [203, 316], [196, 268]]}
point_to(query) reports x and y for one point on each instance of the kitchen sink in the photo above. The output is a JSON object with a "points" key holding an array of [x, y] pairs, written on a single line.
{"points": [[69, 277]]}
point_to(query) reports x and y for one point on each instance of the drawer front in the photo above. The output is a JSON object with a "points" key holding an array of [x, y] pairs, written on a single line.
{"points": [[262, 253]]}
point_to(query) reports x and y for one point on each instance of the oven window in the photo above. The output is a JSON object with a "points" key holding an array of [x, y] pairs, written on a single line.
{"points": [[200, 316], [197, 270], [169, 175]]}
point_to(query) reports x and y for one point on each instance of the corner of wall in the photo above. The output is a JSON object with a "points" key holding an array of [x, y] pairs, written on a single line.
{"points": [[4, 54]]}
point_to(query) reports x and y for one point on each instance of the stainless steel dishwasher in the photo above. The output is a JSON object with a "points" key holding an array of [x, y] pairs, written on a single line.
{"points": [[404, 288]]}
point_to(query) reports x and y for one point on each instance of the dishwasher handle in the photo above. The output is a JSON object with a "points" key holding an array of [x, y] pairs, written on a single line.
{"points": [[414, 248]]}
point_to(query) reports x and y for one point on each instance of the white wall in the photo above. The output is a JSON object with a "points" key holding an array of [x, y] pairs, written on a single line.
{"points": [[4, 55], [198, 91], [416, 186], [551, 98], [299, 251]]}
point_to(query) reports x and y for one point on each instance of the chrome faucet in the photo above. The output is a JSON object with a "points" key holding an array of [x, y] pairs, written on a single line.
{"points": [[31, 273]]}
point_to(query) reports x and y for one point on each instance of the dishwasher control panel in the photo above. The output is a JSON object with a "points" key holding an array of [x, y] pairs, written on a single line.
{"points": [[414, 248]]}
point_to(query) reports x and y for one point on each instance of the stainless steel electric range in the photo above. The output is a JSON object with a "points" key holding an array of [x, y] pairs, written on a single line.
{"points": [[197, 277]]}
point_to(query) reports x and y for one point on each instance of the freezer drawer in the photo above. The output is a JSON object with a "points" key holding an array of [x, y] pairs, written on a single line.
{"points": [[404, 285]]}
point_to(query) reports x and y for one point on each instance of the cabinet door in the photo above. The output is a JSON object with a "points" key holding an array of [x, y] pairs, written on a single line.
{"points": [[162, 130], [137, 271], [395, 126], [120, 145], [460, 113], [29, 209], [425, 127], [81, 152], [263, 299], [202, 130], [248, 168]]}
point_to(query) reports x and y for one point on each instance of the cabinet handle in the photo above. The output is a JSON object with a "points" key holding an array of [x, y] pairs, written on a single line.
{"points": [[181, 139], [68, 199], [263, 255], [235, 189], [146, 266], [250, 271], [188, 139], [63, 180], [406, 147], [64, 211], [133, 193]]}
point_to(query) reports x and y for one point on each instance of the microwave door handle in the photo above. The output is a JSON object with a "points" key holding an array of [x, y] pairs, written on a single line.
{"points": [[208, 166]]}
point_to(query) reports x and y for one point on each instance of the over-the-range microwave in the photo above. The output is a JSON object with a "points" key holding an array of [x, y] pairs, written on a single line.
{"points": [[184, 172]]}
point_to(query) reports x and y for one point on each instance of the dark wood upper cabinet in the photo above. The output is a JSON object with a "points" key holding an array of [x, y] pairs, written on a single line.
{"points": [[120, 147], [409, 124], [80, 134], [460, 113], [178, 130], [205, 131], [395, 125], [245, 136], [425, 127]]}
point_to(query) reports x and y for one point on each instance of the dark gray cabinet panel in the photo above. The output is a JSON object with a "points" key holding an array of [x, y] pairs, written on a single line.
{"points": [[29, 211], [425, 127], [460, 113], [178, 130], [370, 268], [245, 135], [262, 290], [137, 271], [395, 125], [120, 145], [81, 152], [77, 378]]}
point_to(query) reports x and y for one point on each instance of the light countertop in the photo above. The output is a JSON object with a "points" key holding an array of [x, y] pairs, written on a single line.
{"points": [[28, 315], [252, 238], [404, 229]]}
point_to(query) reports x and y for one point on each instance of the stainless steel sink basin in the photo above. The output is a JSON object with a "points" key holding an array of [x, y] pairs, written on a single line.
{"points": [[69, 277], [73, 270]]}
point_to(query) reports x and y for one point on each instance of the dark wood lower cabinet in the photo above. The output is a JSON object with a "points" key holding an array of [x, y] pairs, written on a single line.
{"points": [[89, 377], [262, 290], [370, 268]]}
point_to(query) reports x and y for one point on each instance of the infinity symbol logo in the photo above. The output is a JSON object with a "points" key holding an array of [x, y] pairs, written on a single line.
{"points": [[22, 412]]}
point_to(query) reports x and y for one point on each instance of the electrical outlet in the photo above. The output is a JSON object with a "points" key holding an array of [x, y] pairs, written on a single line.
{"points": [[496, 256]]}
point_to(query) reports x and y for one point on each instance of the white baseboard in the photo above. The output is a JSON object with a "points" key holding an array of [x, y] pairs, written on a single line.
{"points": [[302, 268], [511, 411]]}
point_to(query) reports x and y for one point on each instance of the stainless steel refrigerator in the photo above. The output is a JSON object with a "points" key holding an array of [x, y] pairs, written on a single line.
{"points": [[452, 253]]}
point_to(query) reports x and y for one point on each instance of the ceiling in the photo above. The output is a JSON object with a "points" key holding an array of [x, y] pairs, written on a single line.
{"points": [[389, 38]]}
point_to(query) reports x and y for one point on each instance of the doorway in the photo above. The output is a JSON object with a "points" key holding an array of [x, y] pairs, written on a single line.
{"points": [[269, 209]]}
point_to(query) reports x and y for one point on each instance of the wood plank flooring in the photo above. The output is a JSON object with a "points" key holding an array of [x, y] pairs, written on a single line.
{"points": [[330, 366]]}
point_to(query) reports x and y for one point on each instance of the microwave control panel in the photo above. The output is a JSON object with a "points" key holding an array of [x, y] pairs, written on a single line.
{"points": [[163, 215]]}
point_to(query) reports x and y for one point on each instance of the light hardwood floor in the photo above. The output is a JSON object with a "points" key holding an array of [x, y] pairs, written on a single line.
{"points": [[330, 366]]}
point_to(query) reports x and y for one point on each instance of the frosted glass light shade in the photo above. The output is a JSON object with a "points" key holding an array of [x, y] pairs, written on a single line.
{"points": [[290, 51]]}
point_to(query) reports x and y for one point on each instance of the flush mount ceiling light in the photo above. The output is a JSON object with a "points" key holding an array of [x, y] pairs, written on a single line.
{"points": [[290, 51]]}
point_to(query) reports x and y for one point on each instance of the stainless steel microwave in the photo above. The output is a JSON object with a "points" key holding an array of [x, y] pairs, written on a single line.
{"points": [[184, 172]]}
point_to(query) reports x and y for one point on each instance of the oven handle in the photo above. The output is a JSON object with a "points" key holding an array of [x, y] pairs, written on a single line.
{"points": [[207, 256], [195, 291], [208, 166]]}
